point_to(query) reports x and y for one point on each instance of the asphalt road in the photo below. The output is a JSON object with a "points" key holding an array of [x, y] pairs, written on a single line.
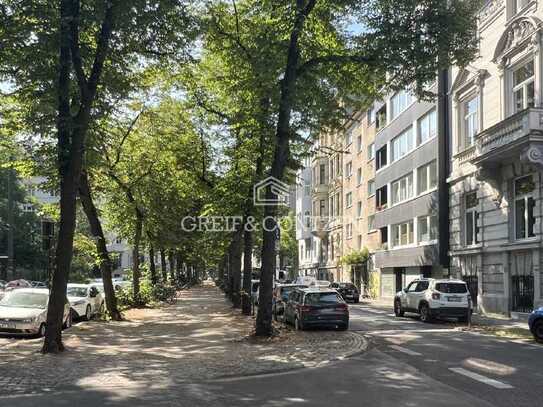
{"points": [[408, 364]]}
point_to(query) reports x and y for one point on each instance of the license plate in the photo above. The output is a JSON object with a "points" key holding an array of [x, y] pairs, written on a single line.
{"points": [[455, 299], [7, 325]]}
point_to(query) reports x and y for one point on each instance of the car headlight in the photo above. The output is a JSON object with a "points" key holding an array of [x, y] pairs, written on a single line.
{"points": [[78, 302]]}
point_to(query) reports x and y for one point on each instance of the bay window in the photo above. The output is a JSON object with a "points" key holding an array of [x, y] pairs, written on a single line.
{"points": [[402, 189], [524, 207]]}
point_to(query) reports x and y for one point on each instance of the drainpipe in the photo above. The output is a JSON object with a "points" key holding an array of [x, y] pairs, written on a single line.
{"points": [[444, 160]]}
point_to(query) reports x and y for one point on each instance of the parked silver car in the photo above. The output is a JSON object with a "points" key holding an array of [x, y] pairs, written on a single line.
{"points": [[24, 312]]}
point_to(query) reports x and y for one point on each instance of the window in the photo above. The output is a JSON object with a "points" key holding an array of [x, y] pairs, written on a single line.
{"points": [[427, 127], [359, 143], [384, 238], [307, 219], [349, 169], [402, 144], [349, 199], [402, 234], [322, 174], [372, 115], [399, 102], [359, 242], [471, 120], [427, 227], [27, 207], [371, 151], [524, 207], [118, 240], [307, 188], [338, 204], [472, 217], [331, 212], [381, 158], [518, 5], [359, 176], [381, 118], [322, 207], [381, 198], [371, 187], [402, 189], [524, 87], [359, 209], [371, 223], [349, 230], [349, 138], [426, 178], [332, 173]]}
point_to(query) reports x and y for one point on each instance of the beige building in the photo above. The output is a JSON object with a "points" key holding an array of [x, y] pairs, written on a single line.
{"points": [[496, 211]]}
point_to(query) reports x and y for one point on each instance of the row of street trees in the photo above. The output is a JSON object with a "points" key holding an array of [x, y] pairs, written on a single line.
{"points": [[164, 109]]}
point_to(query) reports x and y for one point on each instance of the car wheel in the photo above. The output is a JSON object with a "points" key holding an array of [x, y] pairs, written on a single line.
{"points": [[298, 325], [88, 313], [538, 331], [425, 313], [398, 311], [41, 331], [68, 323]]}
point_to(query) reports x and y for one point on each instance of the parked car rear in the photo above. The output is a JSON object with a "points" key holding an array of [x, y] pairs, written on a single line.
{"points": [[281, 293], [535, 322], [317, 307], [348, 291]]}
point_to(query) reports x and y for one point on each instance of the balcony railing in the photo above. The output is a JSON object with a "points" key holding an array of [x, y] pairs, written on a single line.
{"points": [[508, 131], [320, 226]]}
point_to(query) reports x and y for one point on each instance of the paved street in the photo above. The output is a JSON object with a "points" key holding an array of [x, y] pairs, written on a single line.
{"points": [[407, 364]]}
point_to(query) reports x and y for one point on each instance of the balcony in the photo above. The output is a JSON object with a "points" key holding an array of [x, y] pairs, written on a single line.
{"points": [[520, 135], [320, 189], [320, 227]]}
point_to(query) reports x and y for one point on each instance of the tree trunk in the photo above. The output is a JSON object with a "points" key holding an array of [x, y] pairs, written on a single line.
{"points": [[97, 232], [179, 267], [136, 259], [172, 267], [163, 267], [152, 265], [281, 156], [247, 272], [71, 132], [235, 266]]}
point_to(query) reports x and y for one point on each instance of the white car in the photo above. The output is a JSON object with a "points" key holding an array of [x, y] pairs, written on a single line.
{"points": [[24, 312], [85, 300], [431, 298]]}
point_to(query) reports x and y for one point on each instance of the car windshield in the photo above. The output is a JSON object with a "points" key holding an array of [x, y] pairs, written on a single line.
{"points": [[452, 288], [285, 292], [25, 300], [322, 299], [77, 292]]}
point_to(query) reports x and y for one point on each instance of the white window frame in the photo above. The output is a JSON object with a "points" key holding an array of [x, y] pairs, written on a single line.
{"points": [[521, 86], [349, 230], [371, 191], [349, 169], [349, 200], [409, 225], [405, 186], [359, 177], [426, 168], [472, 212], [371, 224], [399, 103], [429, 121], [526, 198], [428, 221], [371, 151], [396, 144], [470, 121]]}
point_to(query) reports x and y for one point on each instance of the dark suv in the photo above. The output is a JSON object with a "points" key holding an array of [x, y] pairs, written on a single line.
{"points": [[348, 291], [310, 307]]}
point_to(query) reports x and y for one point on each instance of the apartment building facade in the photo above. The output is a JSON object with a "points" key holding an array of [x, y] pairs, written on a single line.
{"points": [[496, 206], [406, 190]]}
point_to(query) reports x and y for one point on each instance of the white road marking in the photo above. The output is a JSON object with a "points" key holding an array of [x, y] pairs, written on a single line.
{"points": [[481, 378], [405, 350]]}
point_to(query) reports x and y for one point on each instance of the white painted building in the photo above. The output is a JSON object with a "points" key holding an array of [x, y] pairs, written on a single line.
{"points": [[496, 194]]}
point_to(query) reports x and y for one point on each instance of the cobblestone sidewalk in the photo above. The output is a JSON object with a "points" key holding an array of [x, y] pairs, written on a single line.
{"points": [[200, 338]]}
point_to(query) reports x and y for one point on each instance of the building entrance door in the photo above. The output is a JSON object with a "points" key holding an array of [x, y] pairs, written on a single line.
{"points": [[522, 283], [399, 276]]}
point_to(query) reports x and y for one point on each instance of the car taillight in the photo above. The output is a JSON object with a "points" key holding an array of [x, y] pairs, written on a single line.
{"points": [[341, 307], [436, 296], [305, 308]]}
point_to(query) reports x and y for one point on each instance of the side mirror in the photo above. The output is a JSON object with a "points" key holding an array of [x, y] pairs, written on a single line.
{"points": [[405, 290]]}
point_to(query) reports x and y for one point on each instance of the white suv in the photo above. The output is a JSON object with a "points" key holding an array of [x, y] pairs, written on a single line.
{"points": [[434, 299]]}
